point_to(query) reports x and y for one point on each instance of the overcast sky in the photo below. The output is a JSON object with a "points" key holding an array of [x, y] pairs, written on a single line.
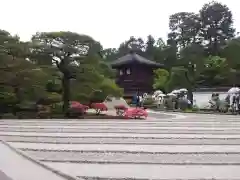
{"points": [[108, 21]]}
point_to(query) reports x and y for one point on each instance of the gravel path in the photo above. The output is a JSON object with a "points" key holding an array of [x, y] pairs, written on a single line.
{"points": [[122, 140], [130, 148], [137, 157], [190, 145]]}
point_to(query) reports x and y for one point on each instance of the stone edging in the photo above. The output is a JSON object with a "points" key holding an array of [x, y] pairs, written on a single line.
{"points": [[193, 112], [63, 175], [212, 113]]}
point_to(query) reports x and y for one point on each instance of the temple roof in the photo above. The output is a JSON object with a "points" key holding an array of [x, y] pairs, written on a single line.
{"points": [[134, 58]]}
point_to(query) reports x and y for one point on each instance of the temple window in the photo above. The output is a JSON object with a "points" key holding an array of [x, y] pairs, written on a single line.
{"points": [[120, 72], [128, 71]]}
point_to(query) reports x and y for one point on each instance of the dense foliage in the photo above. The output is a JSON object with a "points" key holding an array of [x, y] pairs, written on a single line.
{"points": [[202, 50], [53, 67]]}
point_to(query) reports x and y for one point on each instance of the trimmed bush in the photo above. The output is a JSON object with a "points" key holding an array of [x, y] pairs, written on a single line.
{"points": [[8, 116], [75, 113], [44, 111], [97, 97], [183, 104], [148, 101], [169, 104]]}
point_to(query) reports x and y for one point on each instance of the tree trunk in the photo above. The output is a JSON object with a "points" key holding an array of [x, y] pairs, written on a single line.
{"points": [[17, 92], [190, 95], [215, 47], [190, 87], [66, 94]]}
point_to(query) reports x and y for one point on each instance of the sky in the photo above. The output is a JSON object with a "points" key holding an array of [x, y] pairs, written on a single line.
{"points": [[108, 21]]}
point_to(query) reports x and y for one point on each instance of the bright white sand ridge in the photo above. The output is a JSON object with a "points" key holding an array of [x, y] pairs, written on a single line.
{"points": [[150, 171], [26, 128], [120, 135], [130, 148], [165, 147]]}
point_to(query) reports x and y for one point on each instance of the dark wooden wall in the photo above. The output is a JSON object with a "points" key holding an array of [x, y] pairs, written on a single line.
{"points": [[141, 78]]}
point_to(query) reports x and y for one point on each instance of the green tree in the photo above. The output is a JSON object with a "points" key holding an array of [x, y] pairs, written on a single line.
{"points": [[150, 47], [170, 55], [161, 77], [184, 28], [18, 75], [64, 49], [110, 54], [217, 26], [215, 72], [160, 52], [96, 77], [133, 44], [190, 67], [232, 54]]}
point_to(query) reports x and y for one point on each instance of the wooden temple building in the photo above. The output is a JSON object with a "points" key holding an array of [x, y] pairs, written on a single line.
{"points": [[135, 74]]}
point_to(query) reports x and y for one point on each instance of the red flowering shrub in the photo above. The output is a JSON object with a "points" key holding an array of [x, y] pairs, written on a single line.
{"points": [[76, 109], [135, 113], [99, 107]]}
